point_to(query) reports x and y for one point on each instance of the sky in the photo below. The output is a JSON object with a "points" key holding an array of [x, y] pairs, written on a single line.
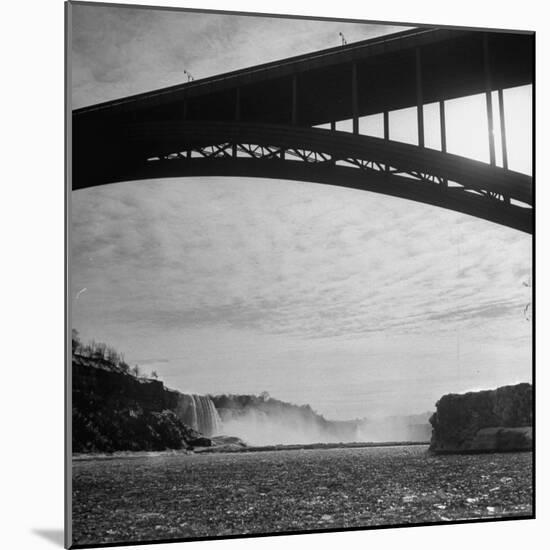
{"points": [[356, 303]]}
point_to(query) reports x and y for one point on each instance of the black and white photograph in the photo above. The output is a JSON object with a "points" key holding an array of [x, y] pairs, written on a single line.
{"points": [[299, 274]]}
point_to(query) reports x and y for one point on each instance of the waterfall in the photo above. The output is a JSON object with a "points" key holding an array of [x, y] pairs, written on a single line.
{"points": [[199, 412]]}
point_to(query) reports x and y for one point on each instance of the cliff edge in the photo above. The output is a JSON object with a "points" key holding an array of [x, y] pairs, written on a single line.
{"points": [[484, 421], [113, 410]]}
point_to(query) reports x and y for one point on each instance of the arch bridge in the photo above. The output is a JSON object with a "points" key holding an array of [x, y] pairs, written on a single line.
{"points": [[263, 122]]}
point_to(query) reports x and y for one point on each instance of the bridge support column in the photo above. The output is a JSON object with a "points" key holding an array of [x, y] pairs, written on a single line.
{"points": [[442, 126], [489, 99], [238, 105], [443, 134], [354, 98], [419, 98], [387, 133], [502, 130], [294, 114], [237, 117]]}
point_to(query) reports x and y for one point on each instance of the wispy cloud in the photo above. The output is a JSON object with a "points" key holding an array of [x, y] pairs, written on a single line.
{"points": [[303, 259], [118, 52]]}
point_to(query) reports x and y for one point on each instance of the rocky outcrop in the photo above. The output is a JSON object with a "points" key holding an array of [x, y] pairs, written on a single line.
{"points": [[484, 421], [503, 439], [115, 411]]}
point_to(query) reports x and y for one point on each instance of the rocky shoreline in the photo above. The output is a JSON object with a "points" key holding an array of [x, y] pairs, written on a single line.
{"points": [[241, 447]]}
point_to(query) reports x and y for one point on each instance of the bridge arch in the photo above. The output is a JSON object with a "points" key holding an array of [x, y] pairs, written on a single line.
{"points": [[209, 148]]}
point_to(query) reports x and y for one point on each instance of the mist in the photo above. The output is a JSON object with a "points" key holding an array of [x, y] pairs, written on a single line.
{"points": [[260, 428], [395, 428], [267, 421]]}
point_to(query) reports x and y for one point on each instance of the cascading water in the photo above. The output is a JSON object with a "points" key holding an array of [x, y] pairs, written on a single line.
{"points": [[199, 412]]}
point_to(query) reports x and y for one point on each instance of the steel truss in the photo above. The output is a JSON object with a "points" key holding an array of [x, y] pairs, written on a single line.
{"points": [[230, 150]]}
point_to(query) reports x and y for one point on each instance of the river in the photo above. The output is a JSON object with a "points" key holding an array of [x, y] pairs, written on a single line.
{"points": [[178, 496]]}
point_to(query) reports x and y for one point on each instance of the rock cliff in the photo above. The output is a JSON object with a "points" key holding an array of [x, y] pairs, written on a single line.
{"points": [[116, 411], [484, 421]]}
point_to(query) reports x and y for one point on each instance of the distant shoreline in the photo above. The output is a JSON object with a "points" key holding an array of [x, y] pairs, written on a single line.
{"points": [[238, 449], [300, 446]]}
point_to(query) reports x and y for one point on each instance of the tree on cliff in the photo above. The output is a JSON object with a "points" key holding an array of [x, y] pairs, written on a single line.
{"points": [[96, 350], [112, 355], [76, 343]]}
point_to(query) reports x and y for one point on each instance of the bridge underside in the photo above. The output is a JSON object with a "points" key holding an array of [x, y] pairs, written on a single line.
{"points": [[183, 149]]}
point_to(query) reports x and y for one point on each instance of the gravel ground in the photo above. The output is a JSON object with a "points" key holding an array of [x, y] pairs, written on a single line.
{"points": [[183, 496]]}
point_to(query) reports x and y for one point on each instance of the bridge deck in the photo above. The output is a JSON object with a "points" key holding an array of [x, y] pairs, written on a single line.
{"points": [[452, 63]]}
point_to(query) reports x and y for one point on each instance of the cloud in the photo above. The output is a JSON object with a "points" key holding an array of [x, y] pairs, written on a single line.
{"points": [[118, 52], [309, 260]]}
